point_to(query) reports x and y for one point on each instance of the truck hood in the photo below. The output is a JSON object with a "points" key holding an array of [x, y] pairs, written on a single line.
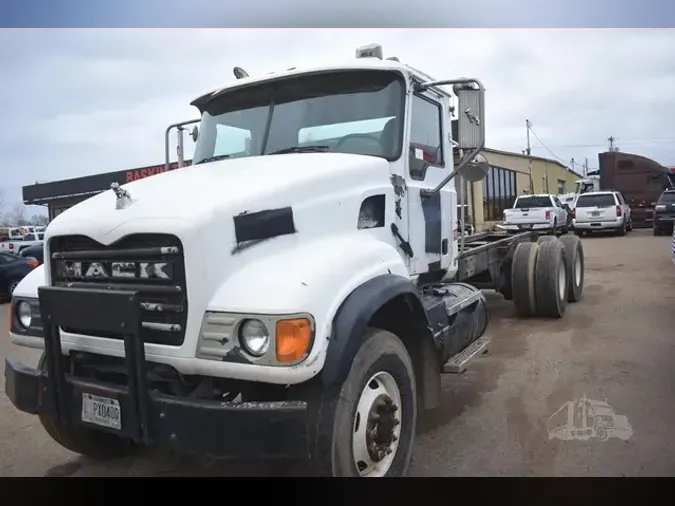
{"points": [[196, 194]]}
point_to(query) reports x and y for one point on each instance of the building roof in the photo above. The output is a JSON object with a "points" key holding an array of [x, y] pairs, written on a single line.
{"points": [[41, 193], [540, 158]]}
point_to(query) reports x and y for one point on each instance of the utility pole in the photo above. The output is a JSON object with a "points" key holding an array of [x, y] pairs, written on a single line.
{"points": [[529, 153], [527, 129], [572, 163], [585, 167]]}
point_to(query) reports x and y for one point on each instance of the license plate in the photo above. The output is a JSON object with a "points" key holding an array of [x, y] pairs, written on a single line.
{"points": [[525, 227], [102, 411], [595, 213]]}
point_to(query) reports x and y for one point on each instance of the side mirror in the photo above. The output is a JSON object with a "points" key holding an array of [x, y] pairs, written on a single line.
{"points": [[475, 170], [653, 204], [195, 133], [470, 121]]}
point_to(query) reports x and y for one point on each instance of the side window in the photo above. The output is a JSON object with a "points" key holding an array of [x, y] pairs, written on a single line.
{"points": [[556, 202], [426, 146], [619, 199]]}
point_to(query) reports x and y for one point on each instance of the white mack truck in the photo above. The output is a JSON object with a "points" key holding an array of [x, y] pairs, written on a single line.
{"points": [[336, 292]]}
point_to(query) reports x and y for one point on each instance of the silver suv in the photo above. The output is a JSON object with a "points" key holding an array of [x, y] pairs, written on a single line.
{"points": [[601, 211]]}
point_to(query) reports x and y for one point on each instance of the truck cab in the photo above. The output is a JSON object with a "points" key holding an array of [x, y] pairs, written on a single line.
{"points": [[334, 300]]}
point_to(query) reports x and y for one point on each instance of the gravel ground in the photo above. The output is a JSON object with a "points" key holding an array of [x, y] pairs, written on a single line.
{"points": [[616, 346]]}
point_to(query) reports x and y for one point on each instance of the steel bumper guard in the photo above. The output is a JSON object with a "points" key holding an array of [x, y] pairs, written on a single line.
{"points": [[206, 427]]}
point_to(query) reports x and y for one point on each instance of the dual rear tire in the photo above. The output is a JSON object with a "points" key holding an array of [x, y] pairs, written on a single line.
{"points": [[546, 275]]}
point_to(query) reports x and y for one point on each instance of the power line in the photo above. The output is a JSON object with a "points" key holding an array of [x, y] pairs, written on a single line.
{"points": [[534, 134], [646, 142]]}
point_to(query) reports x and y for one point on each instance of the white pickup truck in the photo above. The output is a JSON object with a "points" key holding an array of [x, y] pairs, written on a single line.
{"points": [[543, 213], [17, 245]]}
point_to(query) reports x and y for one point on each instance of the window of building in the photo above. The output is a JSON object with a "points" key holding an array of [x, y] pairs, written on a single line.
{"points": [[426, 147], [561, 186], [499, 192]]}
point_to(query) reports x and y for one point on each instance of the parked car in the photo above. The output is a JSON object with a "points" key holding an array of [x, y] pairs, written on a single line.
{"points": [[664, 213], [601, 211], [13, 268], [36, 252], [544, 213]]}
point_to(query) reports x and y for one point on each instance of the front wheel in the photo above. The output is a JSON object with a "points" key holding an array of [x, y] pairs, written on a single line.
{"points": [[11, 286], [367, 427]]}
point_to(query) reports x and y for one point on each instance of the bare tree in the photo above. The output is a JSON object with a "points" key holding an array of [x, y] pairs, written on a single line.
{"points": [[39, 220], [17, 216], [2, 208]]}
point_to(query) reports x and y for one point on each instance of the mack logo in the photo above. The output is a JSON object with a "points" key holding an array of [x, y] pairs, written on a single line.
{"points": [[118, 270]]}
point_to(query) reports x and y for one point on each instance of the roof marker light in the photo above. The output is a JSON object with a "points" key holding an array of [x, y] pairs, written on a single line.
{"points": [[369, 51]]}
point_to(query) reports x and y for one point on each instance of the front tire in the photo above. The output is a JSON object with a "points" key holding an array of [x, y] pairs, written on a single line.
{"points": [[97, 445], [367, 426], [11, 286]]}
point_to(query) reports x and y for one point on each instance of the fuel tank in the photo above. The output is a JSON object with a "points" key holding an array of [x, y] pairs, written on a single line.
{"points": [[464, 319]]}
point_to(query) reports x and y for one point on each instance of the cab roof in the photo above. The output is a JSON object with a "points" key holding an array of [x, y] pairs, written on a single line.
{"points": [[356, 64]]}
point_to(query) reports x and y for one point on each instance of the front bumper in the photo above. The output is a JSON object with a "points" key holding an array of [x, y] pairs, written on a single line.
{"points": [[196, 426]]}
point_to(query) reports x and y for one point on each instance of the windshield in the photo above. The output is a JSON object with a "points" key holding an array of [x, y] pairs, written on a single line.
{"points": [[604, 200], [341, 111], [29, 237], [528, 202], [667, 198]]}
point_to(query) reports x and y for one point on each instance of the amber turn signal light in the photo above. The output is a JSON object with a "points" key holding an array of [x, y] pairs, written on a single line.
{"points": [[293, 339]]}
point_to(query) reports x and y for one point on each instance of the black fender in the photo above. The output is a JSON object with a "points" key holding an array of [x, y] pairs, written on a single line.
{"points": [[351, 321]]}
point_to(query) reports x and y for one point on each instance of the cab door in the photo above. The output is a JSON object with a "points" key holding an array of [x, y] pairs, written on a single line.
{"points": [[429, 161]]}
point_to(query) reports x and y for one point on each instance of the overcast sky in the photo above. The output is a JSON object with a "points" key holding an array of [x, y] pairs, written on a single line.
{"points": [[78, 102]]}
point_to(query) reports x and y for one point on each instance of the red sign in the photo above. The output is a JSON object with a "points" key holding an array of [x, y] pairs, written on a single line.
{"points": [[143, 172]]}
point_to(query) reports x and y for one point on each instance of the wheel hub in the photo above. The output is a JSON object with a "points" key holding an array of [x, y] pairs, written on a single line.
{"points": [[381, 424], [377, 426]]}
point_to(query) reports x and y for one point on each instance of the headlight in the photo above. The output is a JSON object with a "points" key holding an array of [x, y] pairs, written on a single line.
{"points": [[24, 313], [254, 337]]}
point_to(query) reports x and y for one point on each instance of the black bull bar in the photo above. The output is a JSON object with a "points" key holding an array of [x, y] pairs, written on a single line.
{"points": [[209, 427]]}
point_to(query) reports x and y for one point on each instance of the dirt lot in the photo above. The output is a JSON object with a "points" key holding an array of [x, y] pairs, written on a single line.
{"points": [[616, 346]]}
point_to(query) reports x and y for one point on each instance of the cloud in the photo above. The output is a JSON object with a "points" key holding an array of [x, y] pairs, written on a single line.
{"points": [[87, 101]]}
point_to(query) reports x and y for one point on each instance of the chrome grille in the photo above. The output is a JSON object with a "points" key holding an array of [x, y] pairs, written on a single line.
{"points": [[151, 264]]}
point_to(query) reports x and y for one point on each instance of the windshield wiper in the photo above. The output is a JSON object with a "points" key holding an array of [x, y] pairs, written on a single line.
{"points": [[212, 159], [301, 149]]}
